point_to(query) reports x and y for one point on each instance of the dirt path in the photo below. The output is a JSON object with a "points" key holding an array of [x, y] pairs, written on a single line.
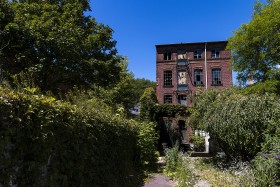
{"points": [[159, 180]]}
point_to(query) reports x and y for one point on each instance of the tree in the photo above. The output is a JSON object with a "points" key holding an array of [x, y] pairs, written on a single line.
{"points": [[147, 103], [61, 45], [256, 46], [140, 85]]}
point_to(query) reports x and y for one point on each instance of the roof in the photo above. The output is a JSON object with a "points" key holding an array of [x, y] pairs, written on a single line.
{"points": [[191, 43]]}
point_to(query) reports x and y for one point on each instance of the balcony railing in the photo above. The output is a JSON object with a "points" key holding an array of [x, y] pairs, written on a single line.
{"points": [[182, 87]]}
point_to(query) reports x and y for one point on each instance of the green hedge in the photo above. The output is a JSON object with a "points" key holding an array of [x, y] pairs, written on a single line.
{"points": [[45, 142]]}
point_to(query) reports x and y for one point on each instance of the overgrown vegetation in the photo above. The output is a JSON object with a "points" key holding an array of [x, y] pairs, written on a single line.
{"points": [[220, 173], [198, 142], [46, 142], [177, 168], [246, 127]]}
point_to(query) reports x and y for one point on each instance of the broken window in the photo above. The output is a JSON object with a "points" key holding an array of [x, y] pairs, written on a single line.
{"points": [[181, 55], [182, 77], [198, 77], [182, 99], [167, 56], [216, 76], [215, 53], [197, 54]]}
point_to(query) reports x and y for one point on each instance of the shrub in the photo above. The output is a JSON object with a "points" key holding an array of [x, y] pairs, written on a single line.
{"points": [[238, 123], [267, 163], [267, 170], [45, 142], [147, 139], [198, 142]]}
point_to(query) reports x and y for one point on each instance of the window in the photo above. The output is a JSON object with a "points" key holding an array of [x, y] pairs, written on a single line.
{"points": [[216, 76], [182, 99], [197, 53], [167, 99], [167, 78], [167, 123], [215, 53], [181, 55], [198, 77], [182, 77], [167, 56]]}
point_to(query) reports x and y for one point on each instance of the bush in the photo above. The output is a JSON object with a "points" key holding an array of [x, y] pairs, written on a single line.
{"points": [[147, 139], [267, 163], [45, 142], [238, 123], [198, 142], [267, 170]]}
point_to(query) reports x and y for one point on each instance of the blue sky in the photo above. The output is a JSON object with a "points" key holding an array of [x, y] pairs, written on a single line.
{"points": [[141, 24]]}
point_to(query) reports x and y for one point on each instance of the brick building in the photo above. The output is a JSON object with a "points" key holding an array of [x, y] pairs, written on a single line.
{"points": [[183, 68]]}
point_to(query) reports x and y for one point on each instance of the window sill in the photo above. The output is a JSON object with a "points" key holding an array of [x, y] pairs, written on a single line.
{"points": [[201, 85], [165, 86], [217, 84]]}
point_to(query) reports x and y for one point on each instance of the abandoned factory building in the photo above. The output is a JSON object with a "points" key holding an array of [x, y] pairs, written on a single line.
{"points": [[182, 68]]}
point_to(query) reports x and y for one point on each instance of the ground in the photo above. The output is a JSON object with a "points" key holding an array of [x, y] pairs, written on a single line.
{"points": [[159, 180]]}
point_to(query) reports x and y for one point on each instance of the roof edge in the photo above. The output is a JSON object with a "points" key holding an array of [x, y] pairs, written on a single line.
{"points": [[190, 43]]}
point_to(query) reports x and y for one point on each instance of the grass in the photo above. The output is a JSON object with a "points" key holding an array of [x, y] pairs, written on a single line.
{"points": [[221, 175]]}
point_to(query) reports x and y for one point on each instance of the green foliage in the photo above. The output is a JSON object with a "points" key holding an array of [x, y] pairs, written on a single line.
{"points": [[268, 87], [267, 163], [202, 102], [71, 48], [170, 110], [147, 103], [198, 142], [171, 160], [236, 121], [267, 170], [176, 167], [147, 140], [45, 142], [139, 86], [255, 46]]}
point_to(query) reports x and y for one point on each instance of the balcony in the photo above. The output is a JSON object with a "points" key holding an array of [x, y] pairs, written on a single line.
{"points": [[182, 62], [182, 87]]}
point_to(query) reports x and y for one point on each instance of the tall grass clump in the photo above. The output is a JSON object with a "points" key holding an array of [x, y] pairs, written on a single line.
{"points": [[177, 168]]}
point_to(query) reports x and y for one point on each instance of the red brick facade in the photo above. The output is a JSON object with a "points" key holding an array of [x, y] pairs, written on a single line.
{"points": [[218, 60]]}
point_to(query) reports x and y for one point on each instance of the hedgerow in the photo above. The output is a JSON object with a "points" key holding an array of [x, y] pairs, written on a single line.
{"points": [[45, 142]]}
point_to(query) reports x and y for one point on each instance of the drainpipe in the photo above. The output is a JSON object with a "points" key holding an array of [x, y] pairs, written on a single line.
{"points": [[205, 64]]}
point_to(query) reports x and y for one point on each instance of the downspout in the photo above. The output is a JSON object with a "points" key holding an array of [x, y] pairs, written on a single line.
{"points": [[205, 64]]}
